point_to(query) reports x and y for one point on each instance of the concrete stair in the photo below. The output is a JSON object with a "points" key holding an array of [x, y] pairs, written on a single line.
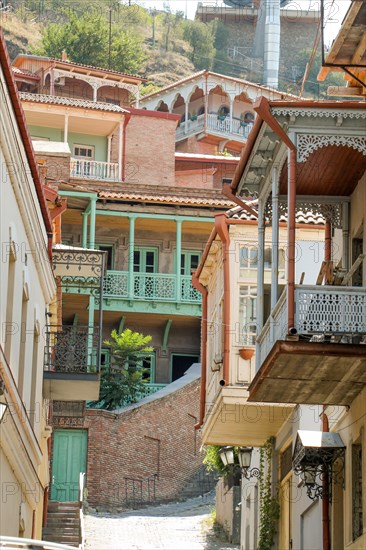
{"points": [[63, 523]]}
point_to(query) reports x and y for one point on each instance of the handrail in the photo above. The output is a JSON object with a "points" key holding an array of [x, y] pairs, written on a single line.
{"points": [[81, 512]]}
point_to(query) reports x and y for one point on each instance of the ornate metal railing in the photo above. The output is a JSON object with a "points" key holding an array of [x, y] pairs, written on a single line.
{"points": [[330, 310], [72, 349], [94, 169], [150, 286]]}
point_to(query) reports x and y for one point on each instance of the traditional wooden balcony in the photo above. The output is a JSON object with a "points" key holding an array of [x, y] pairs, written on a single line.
{"points": [[160, 289], [71, 363], [231, 128], [324, 362], [95, 170]]}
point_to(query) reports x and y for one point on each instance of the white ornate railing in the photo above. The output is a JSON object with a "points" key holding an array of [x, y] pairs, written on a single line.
{"points": [[237, 127], [94, 169], [330, 310], [150, 286]]}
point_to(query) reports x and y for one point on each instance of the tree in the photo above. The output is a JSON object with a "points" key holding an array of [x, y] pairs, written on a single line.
{"points": [[86, 40], [123, 381], [201, 39]]}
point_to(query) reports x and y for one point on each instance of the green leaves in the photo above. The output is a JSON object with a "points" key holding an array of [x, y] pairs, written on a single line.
{"points": [[123, 380], [86, 40]]}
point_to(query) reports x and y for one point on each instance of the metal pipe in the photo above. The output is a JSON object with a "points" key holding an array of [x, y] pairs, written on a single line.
{"points": [[272, 32], [291, 240], [198, 286], [275, 238], [325, 499], [223, 232]]}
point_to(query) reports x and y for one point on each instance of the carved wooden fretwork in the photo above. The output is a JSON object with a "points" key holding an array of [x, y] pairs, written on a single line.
{"points": [[94, 81], [310, 210], [319, 113], [308, 143]]}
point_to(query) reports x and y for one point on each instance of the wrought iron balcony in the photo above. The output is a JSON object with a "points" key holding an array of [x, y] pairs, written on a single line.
{"points": [[72, 349], [72, 363], [160, 287]]}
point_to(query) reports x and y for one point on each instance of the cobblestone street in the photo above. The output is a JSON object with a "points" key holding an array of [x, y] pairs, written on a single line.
{"points": [[177, 526]]}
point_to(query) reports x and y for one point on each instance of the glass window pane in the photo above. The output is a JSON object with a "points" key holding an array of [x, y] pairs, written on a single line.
{"points": [[136, 260]]}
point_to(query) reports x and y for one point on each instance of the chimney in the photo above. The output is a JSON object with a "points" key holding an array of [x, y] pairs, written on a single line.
{"points": [[271, 42], [64, 56]]}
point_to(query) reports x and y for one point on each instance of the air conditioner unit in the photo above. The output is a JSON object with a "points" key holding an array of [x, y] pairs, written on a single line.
{"points": [[60, 81]]}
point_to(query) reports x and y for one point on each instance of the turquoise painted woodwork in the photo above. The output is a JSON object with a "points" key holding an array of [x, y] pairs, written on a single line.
{"points": [[69, 460]]}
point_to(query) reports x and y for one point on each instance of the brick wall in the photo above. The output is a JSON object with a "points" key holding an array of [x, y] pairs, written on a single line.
{"points": [[150, 148], [156, 438], [54, 167]]}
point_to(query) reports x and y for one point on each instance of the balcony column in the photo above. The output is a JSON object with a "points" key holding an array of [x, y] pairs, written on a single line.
{"points": [[90, 330], [93, 208], [260, 275], [231, 115], [186, 114], [66, 128], [345, 235], [131, 248], [95, 93], [178, 260], [120, 150], [275, 237], [84, 231]]}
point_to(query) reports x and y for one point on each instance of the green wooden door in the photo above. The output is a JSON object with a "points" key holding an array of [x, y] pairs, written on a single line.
{"points": [[69, 460]]}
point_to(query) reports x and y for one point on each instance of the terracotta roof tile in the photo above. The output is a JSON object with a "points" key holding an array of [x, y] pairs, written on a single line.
{"points": [[83, 103], [185, 199], [310, 218]]}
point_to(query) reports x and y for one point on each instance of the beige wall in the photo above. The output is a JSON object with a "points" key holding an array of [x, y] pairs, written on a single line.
{"points": [[27, 286]]}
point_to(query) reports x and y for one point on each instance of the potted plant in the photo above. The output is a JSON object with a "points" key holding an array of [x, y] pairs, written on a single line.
{"points": [[246, 353], [193, 116], [243, 121], [221, 115]]}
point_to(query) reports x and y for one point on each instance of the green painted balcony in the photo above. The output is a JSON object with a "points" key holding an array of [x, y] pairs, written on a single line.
{"points": [[162, 290]]}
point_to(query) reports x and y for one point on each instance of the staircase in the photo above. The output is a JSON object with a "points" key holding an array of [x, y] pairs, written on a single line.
{"points": [[201, 483], [63, 523]]}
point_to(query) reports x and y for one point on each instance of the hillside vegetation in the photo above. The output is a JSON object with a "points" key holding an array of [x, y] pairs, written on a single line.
{"points": [[161, 46]]}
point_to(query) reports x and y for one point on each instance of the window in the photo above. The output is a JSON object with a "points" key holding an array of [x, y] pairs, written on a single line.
{"points": [[109, 249], [248, 314], [249, 257], [357, 508], [189, 262], [148, 366], [145, 260], [85, 152]]}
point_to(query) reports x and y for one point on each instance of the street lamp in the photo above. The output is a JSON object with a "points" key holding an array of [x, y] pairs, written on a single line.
{"points": [[227, 455], [244, 456], [318, 458]]}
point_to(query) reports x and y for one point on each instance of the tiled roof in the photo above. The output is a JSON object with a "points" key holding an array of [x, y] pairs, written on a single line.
{"points": [[277, 93], [186, 198], [81, 65], [70, 102], [25, 73], [309, 218]]}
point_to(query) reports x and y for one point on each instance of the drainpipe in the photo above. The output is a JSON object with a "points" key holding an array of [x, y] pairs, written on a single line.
{"points": [[93, 206], [223, 232], [206, 104], [198, 286], [120, 148], [228, 192], [125, 122], [291, 242], [325, 499]]}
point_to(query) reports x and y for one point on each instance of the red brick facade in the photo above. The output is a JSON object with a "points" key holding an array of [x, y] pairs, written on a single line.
{"points": [[156, 438]]}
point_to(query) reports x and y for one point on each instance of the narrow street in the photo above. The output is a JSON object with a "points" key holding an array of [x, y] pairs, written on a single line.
{"points": [[176, 526]]}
